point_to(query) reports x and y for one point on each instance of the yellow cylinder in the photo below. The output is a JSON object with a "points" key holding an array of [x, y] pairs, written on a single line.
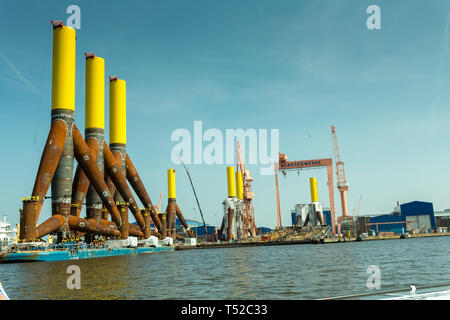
{"points": [[313, 186], [171, 184], [239, 185], [63, 72], [231, 182], [95, 93], [117, 111]]}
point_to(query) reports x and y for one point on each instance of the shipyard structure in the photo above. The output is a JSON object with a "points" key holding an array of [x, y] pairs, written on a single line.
{"points": [[103, 167]]}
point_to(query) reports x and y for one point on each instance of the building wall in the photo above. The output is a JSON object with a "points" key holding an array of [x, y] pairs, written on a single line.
{"points": [[388, 224], [418, 208]]}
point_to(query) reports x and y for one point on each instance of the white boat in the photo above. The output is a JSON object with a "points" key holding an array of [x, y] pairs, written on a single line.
{"points": [[7, 234], [434, 292]]}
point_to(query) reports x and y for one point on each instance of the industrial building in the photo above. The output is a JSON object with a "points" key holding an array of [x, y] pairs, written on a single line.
{"points": [[416, 216]]}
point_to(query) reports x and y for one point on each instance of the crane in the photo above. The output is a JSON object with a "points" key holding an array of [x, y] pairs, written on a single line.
{"points": [[342, 183], [249, 211], [284, 165], [158, 206], [195, 194], [356, 211]]}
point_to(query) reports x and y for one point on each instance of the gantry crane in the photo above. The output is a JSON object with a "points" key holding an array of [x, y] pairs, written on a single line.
{"points": [[284, 165], [249, 211], [342, 183]]}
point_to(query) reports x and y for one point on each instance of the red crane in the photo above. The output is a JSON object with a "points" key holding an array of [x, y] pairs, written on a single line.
{"points": [[342, 183], [284, 165]]}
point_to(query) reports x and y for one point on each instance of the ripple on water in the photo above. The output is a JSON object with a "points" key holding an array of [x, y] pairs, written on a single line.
{"points": [[276, 272]]}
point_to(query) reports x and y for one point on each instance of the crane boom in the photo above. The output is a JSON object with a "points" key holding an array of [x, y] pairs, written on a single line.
{"points": [[195, 194]]}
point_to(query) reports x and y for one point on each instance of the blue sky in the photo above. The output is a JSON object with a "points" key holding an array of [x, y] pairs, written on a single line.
{"points": [[296, 66]]}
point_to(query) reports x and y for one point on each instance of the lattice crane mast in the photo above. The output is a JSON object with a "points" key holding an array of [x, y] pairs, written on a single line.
{"points": [[249, 211], [342, 183]]}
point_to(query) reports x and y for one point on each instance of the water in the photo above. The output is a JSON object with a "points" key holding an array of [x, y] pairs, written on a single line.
{"points": [[274, 272]]}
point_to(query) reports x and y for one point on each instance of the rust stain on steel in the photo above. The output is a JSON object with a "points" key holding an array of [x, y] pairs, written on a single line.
{"points": [[52, 224], [230, 224], [136, 233], [28, 219], [124, 227], [163, 230], [82, 226], [171, 215], [118, 156], [91, 226], [146, 214], [81, 182], [138, 186], [49, 161], [183, 222], [114, 171], [108, 223], [89, 166]]}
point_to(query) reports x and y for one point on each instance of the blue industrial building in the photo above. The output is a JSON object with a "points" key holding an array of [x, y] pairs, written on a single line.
{"points": [[416, 215]]}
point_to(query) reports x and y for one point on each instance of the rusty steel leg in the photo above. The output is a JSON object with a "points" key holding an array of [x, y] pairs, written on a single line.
{"points": [[180, 216], [91, 226], [93, 201], [147, 219], [62, 179], [171, 218], [162, 218], [124, 227], [119, 151], [138, 186], [89, 166], [115, 173], [49, 161], [52, 224], [28, 219], [108, 223], [230, 235], [110, 184], [81, 182], [136, 233]]}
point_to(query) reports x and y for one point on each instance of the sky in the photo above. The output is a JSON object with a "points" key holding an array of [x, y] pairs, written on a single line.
{"points": [[296, 66]]}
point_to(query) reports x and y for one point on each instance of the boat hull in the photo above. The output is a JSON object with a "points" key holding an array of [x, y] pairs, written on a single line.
{"points": [[65, 255]]}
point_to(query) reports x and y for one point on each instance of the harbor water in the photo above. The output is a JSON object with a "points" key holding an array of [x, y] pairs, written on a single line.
{"points": [[274, 272]]}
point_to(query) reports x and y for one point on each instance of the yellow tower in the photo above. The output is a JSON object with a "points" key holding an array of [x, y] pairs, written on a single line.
{"points": [[313, 187], [95, 93], [231, 182], [239, 186], [171, 184], [63, 72], [117, 111]]}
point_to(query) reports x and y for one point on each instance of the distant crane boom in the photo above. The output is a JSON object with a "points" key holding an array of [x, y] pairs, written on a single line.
{"points": [[195, 194], [342, 183]]}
